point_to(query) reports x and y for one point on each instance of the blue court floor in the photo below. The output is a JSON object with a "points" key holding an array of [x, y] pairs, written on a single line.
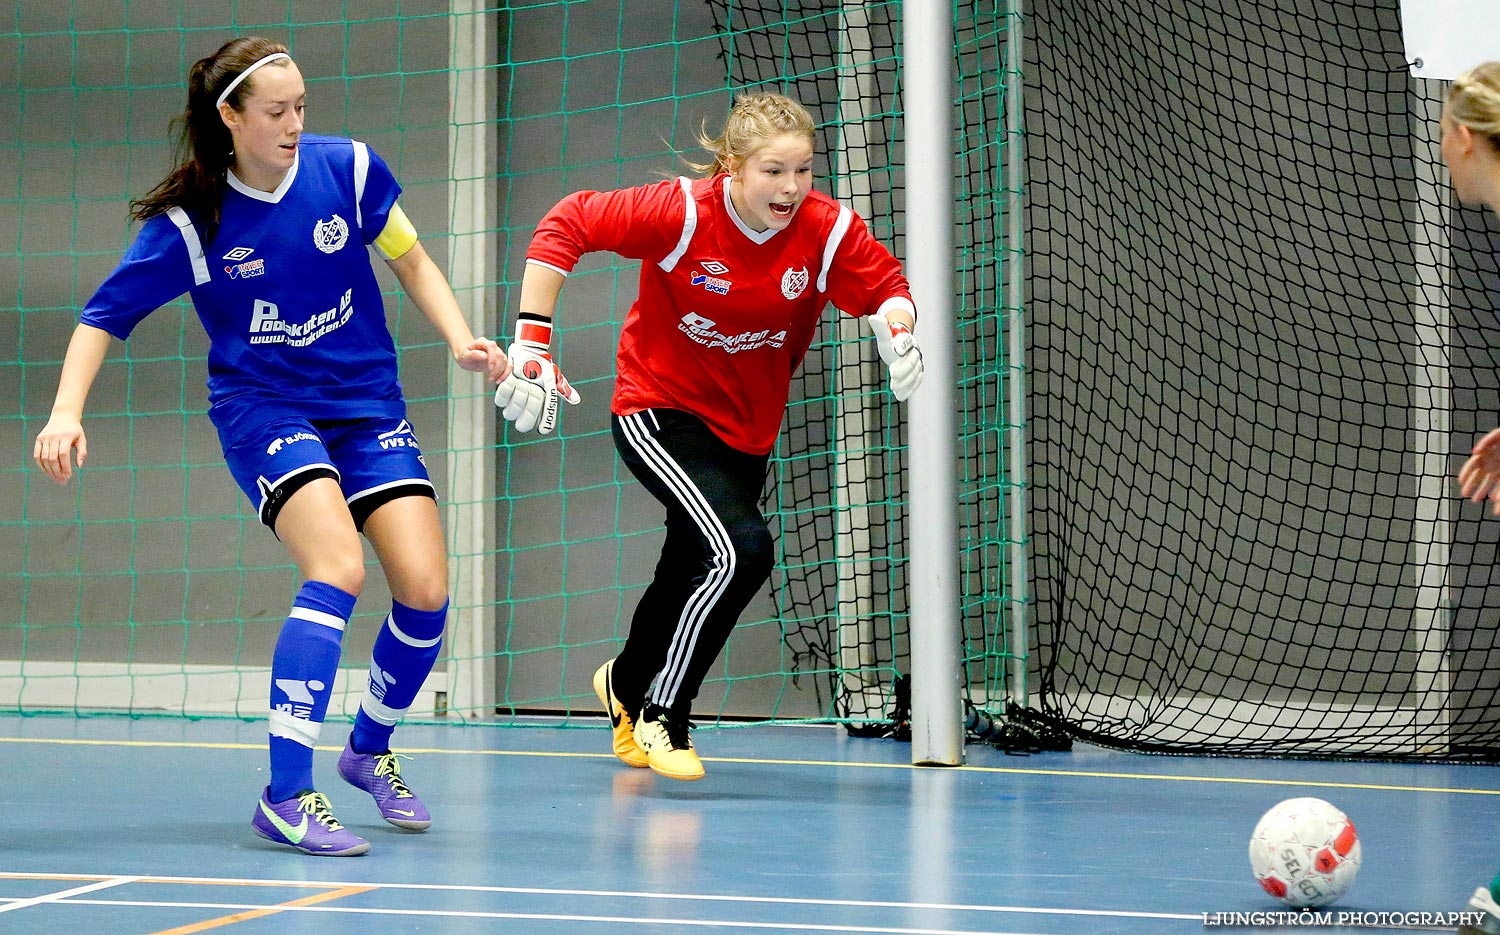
{"points": [[115, 826]]}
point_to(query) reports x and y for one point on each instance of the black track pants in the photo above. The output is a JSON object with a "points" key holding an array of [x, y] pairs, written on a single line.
{"points": [[716, 556]]}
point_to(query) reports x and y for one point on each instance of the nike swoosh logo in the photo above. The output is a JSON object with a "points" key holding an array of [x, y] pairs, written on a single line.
{"points": [[402, 811], [609, 694], [292, 833]]}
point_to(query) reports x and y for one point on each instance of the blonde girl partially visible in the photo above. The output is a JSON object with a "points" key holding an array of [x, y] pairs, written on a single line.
{"points": [[1471, 135], [1471, 150], [766, 148]]}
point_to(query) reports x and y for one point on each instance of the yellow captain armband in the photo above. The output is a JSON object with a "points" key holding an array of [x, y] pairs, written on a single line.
{"points": [[398, 236]]}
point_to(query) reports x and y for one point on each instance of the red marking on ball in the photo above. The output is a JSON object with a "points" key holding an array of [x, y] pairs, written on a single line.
{"points": [[1344, 843], [1325, 860]]}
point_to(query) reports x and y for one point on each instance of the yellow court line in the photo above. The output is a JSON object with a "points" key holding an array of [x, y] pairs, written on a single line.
{"points": [[314, 899], [999, 770], [1162, 777]]}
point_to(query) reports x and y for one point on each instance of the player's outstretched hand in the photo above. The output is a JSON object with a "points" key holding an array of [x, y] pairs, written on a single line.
{"points": [[483, 355], [55, 445], [898, 348], [528, 397], [1480, 476]]}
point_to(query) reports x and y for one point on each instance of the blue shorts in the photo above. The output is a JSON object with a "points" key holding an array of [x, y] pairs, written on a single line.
{"points": [[375, 461]]}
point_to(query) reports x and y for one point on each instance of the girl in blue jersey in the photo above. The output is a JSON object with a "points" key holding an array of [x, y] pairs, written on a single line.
{"points": [[1471, 150], [266, 228]]}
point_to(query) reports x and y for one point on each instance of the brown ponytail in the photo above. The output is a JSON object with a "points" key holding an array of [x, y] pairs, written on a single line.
{"points": [[204, 149]]}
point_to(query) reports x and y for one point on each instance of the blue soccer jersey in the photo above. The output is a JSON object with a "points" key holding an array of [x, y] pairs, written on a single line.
{"points": [[285, 291]]}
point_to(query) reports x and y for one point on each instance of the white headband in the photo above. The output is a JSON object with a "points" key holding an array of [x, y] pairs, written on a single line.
{"points": [[245, 74]]}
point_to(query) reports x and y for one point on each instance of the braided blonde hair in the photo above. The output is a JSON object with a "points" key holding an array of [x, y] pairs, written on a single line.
{"points": [[755, 120], [1474, 101]]}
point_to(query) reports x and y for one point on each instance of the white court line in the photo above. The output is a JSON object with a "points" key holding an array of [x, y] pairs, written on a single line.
{"points": [[103, 884], [788, 926], [632, 894]]}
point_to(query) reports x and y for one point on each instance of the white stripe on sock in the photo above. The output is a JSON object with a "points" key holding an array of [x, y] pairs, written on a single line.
{"points": [[380, 713], [403, 636], [299, 730], [317, 616]]}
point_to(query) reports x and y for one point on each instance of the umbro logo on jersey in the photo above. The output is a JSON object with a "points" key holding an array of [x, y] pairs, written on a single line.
{"points": [[238, 253], [793, 281], [331, 234], [714, 267]]}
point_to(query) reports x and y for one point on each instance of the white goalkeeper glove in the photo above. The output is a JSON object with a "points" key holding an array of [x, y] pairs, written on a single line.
{"points": [[528, 397], [898, 348]]}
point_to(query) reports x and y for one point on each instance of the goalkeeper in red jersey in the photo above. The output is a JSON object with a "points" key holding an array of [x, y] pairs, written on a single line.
{"points": [[736, 270]]}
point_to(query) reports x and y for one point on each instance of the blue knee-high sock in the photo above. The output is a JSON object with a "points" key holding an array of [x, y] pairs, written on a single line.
{"points": [[405, 650], [302, 673]]}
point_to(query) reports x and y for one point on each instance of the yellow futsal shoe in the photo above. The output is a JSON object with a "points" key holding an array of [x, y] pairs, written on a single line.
{"points": [[620, 720], [664, 738]]}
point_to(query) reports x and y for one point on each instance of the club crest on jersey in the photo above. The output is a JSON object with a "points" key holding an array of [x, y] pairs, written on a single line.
{"points": [[330, 235], [793, 281]]}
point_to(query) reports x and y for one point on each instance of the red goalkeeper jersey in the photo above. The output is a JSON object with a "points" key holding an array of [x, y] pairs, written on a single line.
{"points": [[725, 313]]}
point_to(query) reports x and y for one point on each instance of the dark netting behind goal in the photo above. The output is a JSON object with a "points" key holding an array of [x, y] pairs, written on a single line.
{"points": [[1260, 345], [837, 488]]}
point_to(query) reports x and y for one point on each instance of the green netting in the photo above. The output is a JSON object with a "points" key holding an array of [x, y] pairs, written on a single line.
{"points": [[148, 581]]}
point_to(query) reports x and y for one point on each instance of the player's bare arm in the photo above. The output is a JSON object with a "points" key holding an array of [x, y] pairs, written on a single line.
{"points": [[63, 433], [429, 289]]}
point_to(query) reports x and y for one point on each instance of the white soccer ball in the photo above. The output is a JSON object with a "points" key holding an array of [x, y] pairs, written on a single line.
{"points": [[1305, 852]]}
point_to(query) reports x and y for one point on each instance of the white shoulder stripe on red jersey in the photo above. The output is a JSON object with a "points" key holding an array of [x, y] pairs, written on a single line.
{"points": [[689, 224], [835, 237]]}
